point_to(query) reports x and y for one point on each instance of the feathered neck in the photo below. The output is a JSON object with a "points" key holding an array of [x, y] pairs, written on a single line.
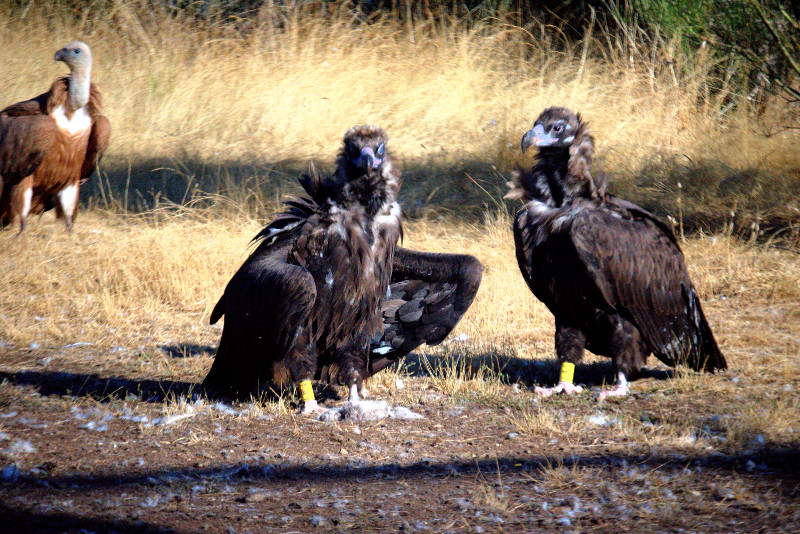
{"points": [[580, 183], [544, 182], [561, 174], [371, 189], [551, 170], [79, 87]]}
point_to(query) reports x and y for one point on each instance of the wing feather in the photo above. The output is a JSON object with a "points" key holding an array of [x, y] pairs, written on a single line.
{"points": [[641, 272], [265, 304], [24, 142], [98, 141], [428, 295]]}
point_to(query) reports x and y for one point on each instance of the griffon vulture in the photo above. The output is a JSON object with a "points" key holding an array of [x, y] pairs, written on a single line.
{"points": [[611, 273], [327, 294], [50, 144]]}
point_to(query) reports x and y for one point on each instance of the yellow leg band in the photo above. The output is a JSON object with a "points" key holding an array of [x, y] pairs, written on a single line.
{"points": [[567, 372], [306, 391]]}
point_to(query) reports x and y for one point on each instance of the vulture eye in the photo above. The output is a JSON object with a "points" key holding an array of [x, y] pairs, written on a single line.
{"points": [[558, 127], [380, 150]]}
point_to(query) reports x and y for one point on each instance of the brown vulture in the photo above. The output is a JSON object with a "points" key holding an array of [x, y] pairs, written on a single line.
{"points": [[50, 144], [611, 273], [327, 294]]}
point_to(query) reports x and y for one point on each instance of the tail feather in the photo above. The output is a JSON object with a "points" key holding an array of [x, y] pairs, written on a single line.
{"points": [[219, 311], [705, 354]]}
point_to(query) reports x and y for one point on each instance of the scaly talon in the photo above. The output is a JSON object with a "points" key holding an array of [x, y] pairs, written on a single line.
{"points": [[562, 387]]}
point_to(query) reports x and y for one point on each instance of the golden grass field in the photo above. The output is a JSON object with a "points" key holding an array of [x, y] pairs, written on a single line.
{"points": [[443, 90], [454, 99], [130, 286]]}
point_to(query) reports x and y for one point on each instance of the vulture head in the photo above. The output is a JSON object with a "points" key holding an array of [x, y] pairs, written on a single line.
{"points": [[76, 55], [555, 127], [364, 152]]}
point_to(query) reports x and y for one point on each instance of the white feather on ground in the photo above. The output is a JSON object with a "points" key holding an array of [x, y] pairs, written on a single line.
{"points": [[367, 411]]}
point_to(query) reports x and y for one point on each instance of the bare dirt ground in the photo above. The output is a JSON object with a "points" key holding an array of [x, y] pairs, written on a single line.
{"points": [[101, 429], [116, 453]]}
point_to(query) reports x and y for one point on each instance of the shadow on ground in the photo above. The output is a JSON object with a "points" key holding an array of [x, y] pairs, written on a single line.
{"points": [[774, 464], [508, 369], [493, 364], [462, 190], [101, 388], [714, 197]]}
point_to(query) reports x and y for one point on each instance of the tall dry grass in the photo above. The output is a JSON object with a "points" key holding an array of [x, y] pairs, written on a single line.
{"points": [[287, 83]]}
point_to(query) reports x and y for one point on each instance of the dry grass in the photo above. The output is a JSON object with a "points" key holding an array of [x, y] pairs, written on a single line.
{"points": [[444, 90], [139, 290]]}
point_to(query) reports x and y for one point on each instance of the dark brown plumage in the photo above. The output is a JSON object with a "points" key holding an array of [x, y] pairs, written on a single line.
{"points": [[611, 273], [307, 302], [427, 297], [51, 144]]}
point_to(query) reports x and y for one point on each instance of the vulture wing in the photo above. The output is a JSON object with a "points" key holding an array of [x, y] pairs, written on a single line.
{"points": [[640, 270], [264, 304], [427, 296], [25, 139], [34, 106], [98, 141]]}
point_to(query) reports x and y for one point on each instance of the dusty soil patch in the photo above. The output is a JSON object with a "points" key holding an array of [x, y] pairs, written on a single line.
{"points": [[116, 454]]}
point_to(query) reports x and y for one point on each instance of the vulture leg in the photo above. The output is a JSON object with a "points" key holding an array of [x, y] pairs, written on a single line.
{"points": [[630, 353], [21, 198], [67, 204], [18, 200], [357, 392], [300, 365], [310, 406], [570, 342]]}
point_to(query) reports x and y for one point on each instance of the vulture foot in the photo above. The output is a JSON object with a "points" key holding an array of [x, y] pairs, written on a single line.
{"points": [[562, 387], [620, 390], [311, 408]]}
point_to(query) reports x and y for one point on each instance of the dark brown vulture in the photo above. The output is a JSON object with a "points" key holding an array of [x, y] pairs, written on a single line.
{"points": [[327, 294], [51, 144], [611, 273]]}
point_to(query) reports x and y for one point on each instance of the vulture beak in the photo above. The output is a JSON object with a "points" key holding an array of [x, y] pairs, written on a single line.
{"points": [[537, 136], [367, 160], [61, 55], [527, 140]]}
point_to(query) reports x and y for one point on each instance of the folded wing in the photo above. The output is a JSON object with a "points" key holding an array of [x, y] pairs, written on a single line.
{"points": [[640, 270], [264, 304]]}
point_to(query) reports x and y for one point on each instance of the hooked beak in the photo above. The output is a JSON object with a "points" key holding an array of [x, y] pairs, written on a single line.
{"points": [[61, 55], [367, 160], [536, 136]]}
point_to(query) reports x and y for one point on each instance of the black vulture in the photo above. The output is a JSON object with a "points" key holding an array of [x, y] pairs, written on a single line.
{"points": [[611, 273], [327, 294]]}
